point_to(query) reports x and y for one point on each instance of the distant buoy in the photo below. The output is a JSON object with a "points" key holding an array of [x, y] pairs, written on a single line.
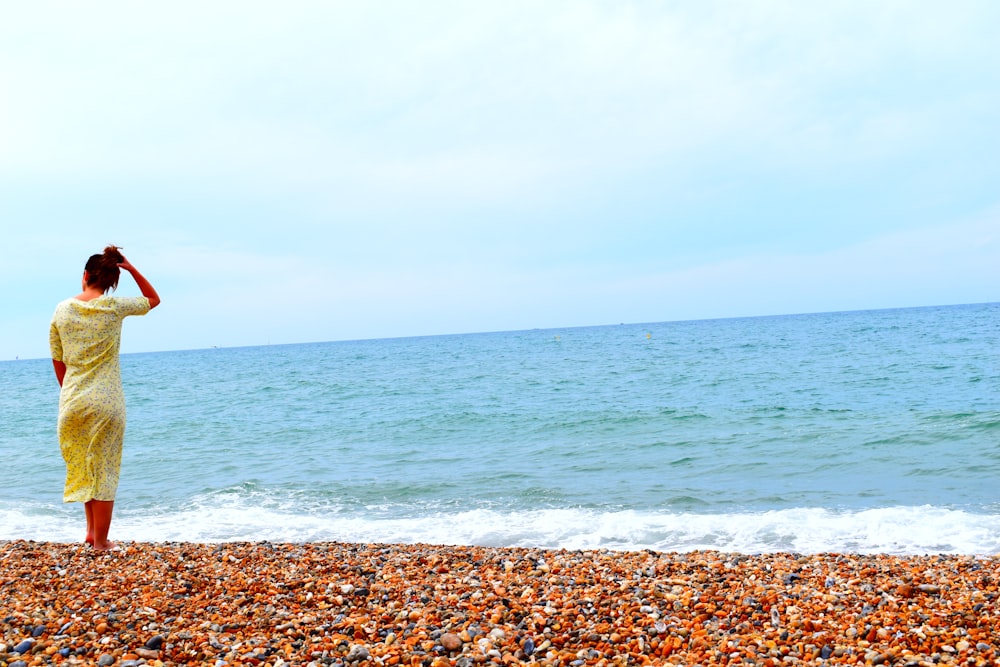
{"points": [[649, 335]]}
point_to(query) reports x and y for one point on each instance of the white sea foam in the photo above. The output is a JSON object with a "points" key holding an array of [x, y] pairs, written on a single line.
{"points": [[891, 530]]}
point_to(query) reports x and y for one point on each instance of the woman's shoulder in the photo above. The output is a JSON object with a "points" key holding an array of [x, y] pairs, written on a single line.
{"points": [[129, 305], [67, 303]]}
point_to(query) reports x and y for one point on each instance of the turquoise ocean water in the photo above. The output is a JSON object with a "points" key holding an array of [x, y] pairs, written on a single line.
{"points": [[874, 431]]}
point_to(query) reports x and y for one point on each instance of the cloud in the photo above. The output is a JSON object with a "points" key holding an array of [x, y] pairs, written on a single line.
{"points": [[957, 262], [255, 299], [253, 95], [392, 169]]}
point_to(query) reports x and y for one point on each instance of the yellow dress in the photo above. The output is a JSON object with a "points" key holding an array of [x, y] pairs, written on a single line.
{"points": [[86, 335]]}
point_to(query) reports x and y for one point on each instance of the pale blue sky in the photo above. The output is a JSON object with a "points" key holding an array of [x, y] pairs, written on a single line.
{"points": [[313, 171]]}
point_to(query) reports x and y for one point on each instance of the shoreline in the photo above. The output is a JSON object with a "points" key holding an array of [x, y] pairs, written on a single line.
{"points": [[331, 603]]}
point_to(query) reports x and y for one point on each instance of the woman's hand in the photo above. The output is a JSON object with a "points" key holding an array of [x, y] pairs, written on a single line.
{"points": [[144, 286]]}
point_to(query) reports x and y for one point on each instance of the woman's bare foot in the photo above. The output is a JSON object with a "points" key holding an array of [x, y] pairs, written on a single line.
{"points": [[105, 546]]}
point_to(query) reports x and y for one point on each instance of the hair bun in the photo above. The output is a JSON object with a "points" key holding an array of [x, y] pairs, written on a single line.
{"points": [[112, 254]]}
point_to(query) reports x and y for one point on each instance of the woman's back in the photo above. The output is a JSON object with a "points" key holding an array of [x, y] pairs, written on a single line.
{"points": [[88, 333]]}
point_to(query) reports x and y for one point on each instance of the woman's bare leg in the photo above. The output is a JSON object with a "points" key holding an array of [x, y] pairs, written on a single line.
{"points": [[101, 511], [90, 523]]}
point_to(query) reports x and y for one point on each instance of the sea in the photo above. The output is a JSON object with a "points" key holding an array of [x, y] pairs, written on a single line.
{"points": [[852, 432]]}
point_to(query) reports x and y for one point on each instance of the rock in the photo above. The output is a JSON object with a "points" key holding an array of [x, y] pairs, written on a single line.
{"points": [[155, 642], [826, 652], [105, 660], [357, 653], [905, 591], [931, 589], [147, 653], [38, 631], [528, 646], [24, 646], [451, 642]]}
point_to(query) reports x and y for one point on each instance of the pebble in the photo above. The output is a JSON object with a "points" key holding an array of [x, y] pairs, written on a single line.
{"points": [[24, 646], [357, 654], [357, 605], [451, 642]]}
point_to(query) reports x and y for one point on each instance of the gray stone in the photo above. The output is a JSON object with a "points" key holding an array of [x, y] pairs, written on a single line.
{"points": [[24, 646], [357, 653]]}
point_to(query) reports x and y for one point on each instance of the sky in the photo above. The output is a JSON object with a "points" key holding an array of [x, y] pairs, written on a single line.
{"points": [[321, 170]]}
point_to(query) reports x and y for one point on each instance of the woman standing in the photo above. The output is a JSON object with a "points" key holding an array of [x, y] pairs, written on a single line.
{"points": [[85, 337]]}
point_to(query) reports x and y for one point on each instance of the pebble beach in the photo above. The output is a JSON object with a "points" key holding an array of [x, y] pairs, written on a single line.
{"points": [[264, 603]]}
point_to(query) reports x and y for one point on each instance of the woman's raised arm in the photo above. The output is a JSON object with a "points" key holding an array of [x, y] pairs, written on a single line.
{"points": [[144, 285]]}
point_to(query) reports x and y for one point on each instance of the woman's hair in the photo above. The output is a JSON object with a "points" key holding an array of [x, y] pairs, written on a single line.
{"points": [[102, 270]]}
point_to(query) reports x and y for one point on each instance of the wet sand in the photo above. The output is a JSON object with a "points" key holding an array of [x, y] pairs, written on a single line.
{"points": [[372, 604]]}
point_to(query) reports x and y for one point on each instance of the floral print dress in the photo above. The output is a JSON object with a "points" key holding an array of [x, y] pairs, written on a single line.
{"points": [[86, 336]]}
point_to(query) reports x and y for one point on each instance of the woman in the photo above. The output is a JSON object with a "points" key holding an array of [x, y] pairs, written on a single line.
{"points": [[85, 336]]}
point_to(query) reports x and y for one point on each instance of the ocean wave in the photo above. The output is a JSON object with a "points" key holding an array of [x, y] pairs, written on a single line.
{"points": [[907, 530]]}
